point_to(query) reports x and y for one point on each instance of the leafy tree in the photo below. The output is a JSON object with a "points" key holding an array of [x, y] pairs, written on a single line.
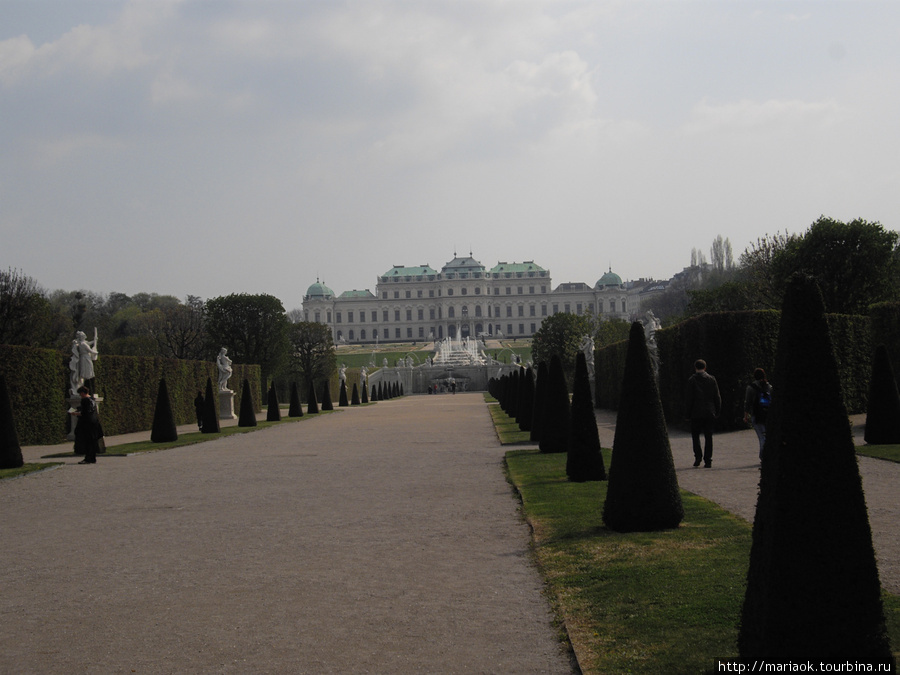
{"points": [[312, 351], [179, 330], [643, 489], [610, 331], [854, 263], [26, 316], [560, 335], [254, 328], [812, 585]]}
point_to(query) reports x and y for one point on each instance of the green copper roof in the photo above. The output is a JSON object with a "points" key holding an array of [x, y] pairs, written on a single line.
{"points": [[357, 294], [401, 271], [609, 279], [515, 268]]}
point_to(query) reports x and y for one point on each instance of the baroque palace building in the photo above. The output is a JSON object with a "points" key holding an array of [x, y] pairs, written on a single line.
{"points": [[464, 298]]}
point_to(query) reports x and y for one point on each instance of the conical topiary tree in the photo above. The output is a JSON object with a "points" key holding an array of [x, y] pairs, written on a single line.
{"points": [[813, 591], [247, 416], [512, 406], [584, 461], [210, 410], [374, 392], [342, 396], [643, 494], [312, 404], [525, 402], [354, 396], [364, 393], [273, 410], [296, 408], [163, 430], [556, 421], [380, 391], [540, 401], [883, 412], [327, 403], [10, 450]]}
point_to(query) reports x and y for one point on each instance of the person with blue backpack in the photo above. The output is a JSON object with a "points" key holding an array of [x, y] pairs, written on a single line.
{"points": [[757, 400]]}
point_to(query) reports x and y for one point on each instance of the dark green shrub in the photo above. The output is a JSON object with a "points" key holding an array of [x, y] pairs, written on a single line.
{"points": [[342, 396], [526, 400], [295, 409], [312, 404], [10, 450], [163, 430], [327, 403], [556, 421], [884, 326], [364, 397], [883, 415], [512, 404], [210, 410], [643, 489], [812, 586], [584, 461], [540, 402], [247, 415], [354, 396], [273, 410]]}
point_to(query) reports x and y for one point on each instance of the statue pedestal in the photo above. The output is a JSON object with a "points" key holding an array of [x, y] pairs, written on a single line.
{"points": [[75, 402], [226, 405]]}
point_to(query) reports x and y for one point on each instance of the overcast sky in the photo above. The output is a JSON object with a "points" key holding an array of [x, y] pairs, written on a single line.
{"points": [[211, 147]]}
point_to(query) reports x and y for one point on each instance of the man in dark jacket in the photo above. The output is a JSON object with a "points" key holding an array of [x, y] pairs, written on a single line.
{"points": [[703, 404]]}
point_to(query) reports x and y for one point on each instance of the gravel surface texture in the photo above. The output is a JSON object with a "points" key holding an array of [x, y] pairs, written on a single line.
{"points": [[376, 539]]}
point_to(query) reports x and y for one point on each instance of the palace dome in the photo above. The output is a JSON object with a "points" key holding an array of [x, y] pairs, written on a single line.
{"points": [[609, 279], [319, 290]]}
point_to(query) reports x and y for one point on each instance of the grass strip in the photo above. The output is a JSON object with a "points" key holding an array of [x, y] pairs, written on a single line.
{"points": [[25, 469], [507, 428], [647, 602], [187, 439], [888, 452]]}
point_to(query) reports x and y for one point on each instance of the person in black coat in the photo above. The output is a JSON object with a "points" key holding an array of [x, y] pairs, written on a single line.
{"points": [[87, 428], [703, 404]]}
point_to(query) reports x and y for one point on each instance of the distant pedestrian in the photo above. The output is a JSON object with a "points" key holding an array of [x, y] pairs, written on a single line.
{"points": [[87, 427], [757, 399], [703, 404]]}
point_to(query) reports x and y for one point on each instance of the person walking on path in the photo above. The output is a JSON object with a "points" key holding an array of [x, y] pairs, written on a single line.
{"points": [[87, 429], [703, 404], [757, 400]]}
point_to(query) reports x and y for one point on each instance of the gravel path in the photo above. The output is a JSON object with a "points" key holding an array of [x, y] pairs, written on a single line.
{"points": [[378, 539], [733, 480]]}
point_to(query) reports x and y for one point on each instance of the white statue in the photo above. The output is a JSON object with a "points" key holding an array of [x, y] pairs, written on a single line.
{"points": [[651, 325], [81, 364], [364, 376], [384, 362], [587, 346], [224, 365], [342, 373]]}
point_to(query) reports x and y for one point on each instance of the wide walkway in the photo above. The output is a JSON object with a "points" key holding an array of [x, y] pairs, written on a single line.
{"points": [[733, 483], [377, 539]]}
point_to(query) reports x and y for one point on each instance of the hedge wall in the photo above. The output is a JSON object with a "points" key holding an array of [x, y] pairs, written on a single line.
{"points": [[733, 344], [34, 378], [129, 385], [38, 381], [884, 318]]}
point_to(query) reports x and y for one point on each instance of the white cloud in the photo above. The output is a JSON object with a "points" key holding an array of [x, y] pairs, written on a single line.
{"points": [[772, 116]]}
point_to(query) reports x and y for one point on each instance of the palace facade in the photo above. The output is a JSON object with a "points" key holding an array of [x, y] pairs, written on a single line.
{"points": [[464, 298]]}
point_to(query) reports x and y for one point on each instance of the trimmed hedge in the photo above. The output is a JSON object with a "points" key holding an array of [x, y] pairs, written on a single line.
{"points": [[733, 344], [884, 321], [38, 381]]}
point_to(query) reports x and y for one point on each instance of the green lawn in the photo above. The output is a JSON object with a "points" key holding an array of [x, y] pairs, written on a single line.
{"points": [[888, 452], [26, 469]]}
